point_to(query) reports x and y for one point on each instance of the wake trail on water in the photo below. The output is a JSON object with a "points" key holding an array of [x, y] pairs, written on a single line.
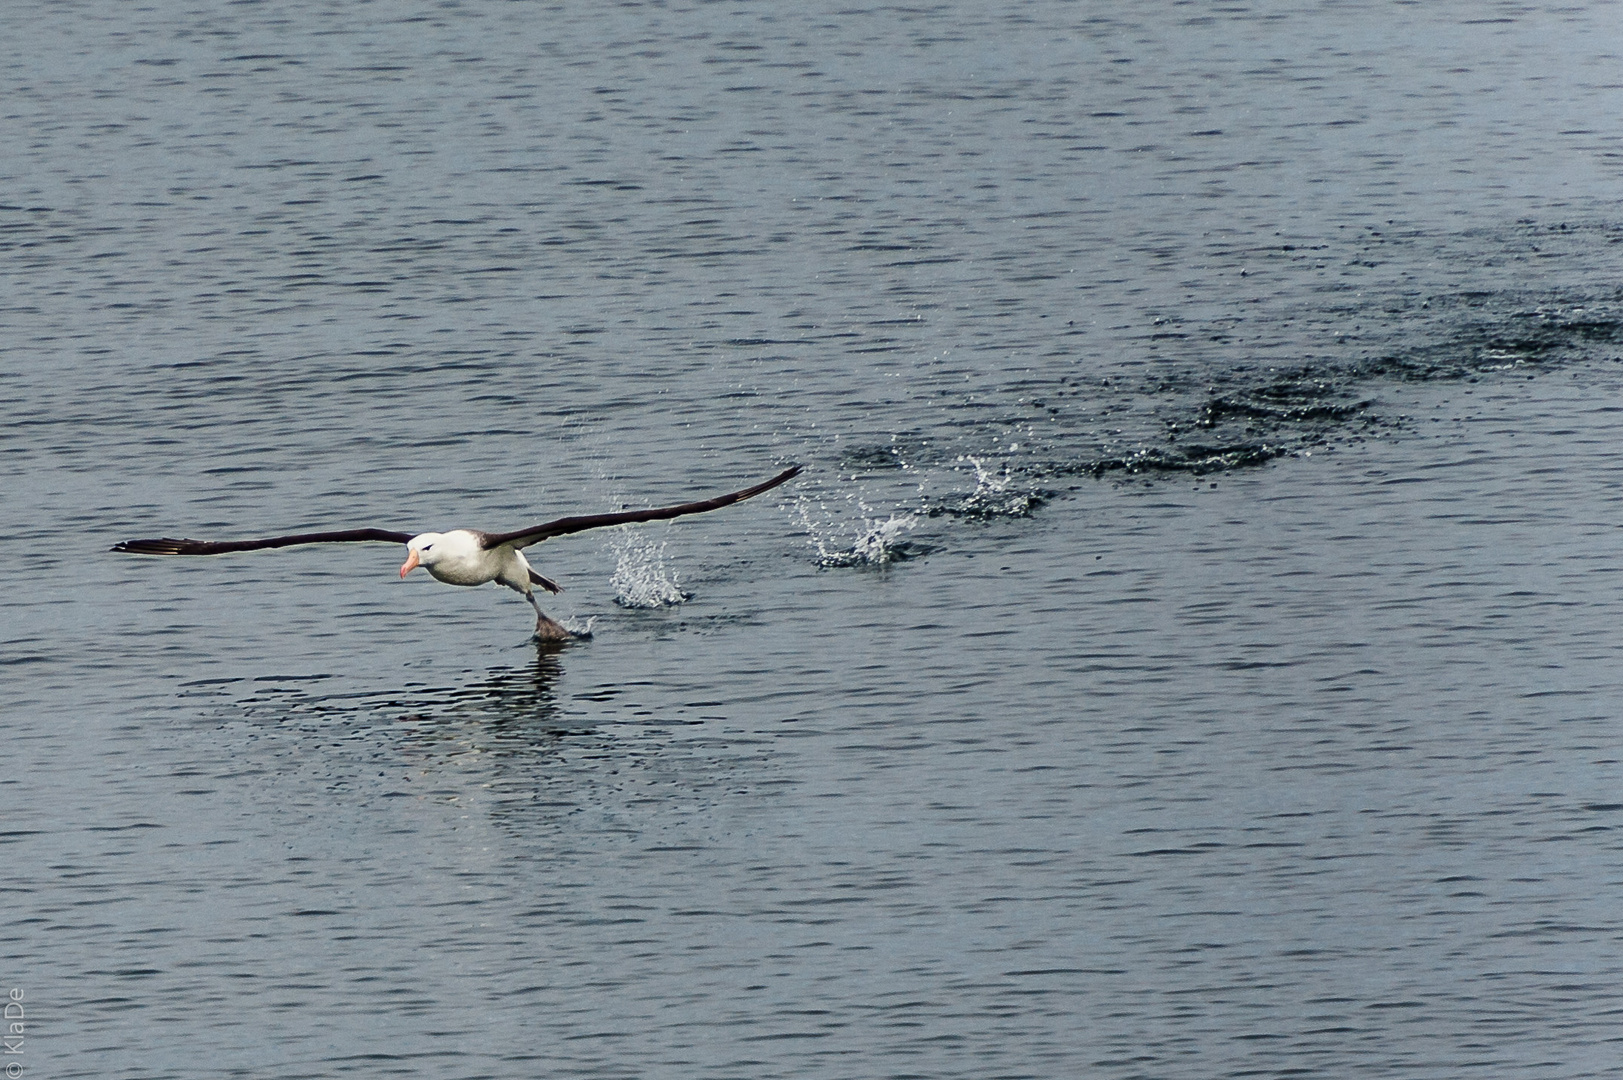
{"points": [[998, 447]]}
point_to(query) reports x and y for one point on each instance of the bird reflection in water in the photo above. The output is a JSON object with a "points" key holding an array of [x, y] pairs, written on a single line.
{"points": [[506, 745], [510, 708], [504, 711], [502, 743]]}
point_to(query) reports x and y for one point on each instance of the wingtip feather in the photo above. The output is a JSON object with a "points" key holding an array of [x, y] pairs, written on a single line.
{"points": [[159, 546]]}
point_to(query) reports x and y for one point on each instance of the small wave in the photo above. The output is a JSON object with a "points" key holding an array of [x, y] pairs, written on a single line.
{"points": [[641, 577]]}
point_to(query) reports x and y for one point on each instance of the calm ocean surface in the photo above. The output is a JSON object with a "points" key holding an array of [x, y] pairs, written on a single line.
{"points": [[1192, 651]]}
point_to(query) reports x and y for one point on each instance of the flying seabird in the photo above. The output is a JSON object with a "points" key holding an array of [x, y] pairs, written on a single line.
{"points": [[466, 556]]}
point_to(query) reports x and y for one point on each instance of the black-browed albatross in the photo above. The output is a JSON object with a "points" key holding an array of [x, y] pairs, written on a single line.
{"points": [[466, 556]]}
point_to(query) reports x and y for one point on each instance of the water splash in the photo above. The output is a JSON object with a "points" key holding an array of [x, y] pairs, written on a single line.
{"points": [[883, 541], [641, 577], [995, 494], [578, 628], [877, 541]]}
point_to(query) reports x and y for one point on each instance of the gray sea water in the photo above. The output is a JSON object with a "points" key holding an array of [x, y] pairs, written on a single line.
{"points": [[1192, 649]]}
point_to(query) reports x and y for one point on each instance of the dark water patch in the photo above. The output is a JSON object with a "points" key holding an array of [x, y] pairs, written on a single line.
{"points": [[984, 503], [1528, 340], [1469, 342], [1281, 410], [895, 454], [1196, 460], [665, 625], [1304, 399]]}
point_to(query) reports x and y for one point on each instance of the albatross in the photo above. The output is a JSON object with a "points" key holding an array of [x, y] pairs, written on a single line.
{"points": [[467, 556]]}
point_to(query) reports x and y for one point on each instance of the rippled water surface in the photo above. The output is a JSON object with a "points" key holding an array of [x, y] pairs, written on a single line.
{"points": [[1191, 650]]}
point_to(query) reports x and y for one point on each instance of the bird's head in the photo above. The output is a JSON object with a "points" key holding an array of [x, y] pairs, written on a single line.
{"points": [[423, 550]]}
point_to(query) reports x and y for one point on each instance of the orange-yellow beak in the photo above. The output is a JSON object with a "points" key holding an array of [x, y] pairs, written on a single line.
{"points": [[411, 564]]}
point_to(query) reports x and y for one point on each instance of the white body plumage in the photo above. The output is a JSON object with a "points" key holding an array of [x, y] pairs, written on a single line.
{"points": [[459, 557]]}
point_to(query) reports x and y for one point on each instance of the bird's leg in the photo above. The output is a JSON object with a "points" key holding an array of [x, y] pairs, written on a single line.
{"points": [[546, 629]]}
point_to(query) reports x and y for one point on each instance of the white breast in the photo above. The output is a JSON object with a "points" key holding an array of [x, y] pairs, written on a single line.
{"points": [[457, 559]]}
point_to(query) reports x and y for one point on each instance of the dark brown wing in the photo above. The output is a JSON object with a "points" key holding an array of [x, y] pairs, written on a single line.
{"points": [[166, 546], [526, 537]]}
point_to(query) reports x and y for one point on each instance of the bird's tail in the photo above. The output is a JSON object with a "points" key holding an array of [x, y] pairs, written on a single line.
{"points": [[545, 582]]}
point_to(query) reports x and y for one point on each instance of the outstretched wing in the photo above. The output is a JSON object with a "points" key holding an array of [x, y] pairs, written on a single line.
{"points": [[526, 537], [166, 546]]}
